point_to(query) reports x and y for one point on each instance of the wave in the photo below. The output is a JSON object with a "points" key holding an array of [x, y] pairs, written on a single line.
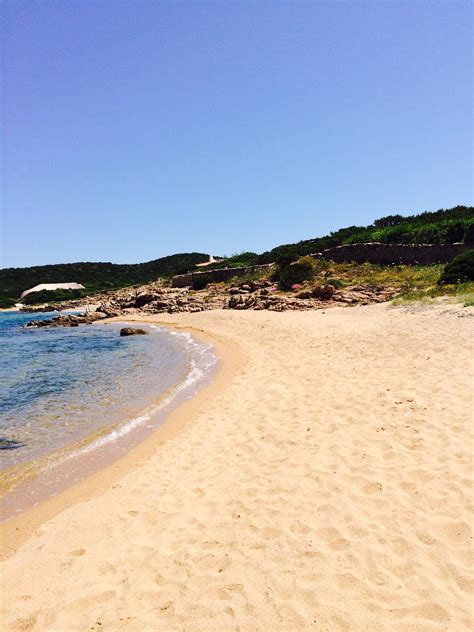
{"points": [[201, 362]]}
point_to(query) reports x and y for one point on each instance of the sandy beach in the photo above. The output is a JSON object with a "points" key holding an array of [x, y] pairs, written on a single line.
{"points": [[323, 482]]}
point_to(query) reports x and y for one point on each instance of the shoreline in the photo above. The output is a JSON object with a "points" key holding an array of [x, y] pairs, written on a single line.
{"points": [[321, 482], [16, 529], [28, 484]]}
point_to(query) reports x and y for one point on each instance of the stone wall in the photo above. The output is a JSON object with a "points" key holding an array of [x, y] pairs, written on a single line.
{"points": [[409, 254], [221, 274]]}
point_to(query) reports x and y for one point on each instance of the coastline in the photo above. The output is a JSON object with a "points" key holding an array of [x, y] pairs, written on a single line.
{"points": [[17, 529], [329, 457], [28, 484]]}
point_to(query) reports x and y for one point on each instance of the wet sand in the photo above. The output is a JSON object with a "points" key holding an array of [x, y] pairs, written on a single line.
{"points": [[322, 482]]}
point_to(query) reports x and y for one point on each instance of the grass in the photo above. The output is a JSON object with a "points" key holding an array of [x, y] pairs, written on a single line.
{"points": [[416, 283], [464, 292], [402, 276]]}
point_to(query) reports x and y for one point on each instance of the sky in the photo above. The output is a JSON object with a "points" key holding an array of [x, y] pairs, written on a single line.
{"points": [[134, 130]]}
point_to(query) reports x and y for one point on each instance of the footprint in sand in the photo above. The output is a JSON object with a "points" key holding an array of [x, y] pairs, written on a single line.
{"points": [[372, 488]]}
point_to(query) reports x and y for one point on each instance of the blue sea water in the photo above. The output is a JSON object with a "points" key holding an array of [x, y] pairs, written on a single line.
{"points": [[61, 386]]}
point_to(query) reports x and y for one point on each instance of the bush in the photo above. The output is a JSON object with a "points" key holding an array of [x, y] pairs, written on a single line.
{"points": [[469, 234], [389, 220], [459, 270], [286, 259], [294, 273], [318, 265], [337, 283]]}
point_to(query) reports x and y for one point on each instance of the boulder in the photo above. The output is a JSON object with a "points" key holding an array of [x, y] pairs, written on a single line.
{"points": [[109, 309], [235, 299], [132, 331], [144, 299], [304, 294]]}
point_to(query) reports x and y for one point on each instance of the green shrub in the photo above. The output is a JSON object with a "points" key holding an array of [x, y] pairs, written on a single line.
{"points": [[286, 259], [459, 270], [318, 265], [469, 235], [337, 283], [296, 272]]}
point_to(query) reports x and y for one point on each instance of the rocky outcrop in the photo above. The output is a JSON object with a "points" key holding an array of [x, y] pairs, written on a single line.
{"points": [[268, 301], [35, 309], [309, 298], [324, 292], [132, 331], [365, 294], [68, 320], [143, 299], [257, 295]]}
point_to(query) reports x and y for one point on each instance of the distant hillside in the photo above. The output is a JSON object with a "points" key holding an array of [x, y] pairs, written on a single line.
{"points": [[94, 276], [438, 227]]}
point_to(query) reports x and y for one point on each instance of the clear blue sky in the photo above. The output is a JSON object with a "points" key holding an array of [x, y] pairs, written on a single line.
{"points": [[133, 130]]}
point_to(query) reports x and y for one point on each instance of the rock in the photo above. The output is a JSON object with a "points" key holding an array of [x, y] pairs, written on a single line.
{"points": [[343, 297], [66, 320], [132, 331], [144, 299], [304, 294], [324, 292], [109, 309], [158, 306], [32, 309], [235, 299]]}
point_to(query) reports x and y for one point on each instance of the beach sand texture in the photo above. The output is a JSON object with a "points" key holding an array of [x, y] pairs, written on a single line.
{"points": [[326, 485]]}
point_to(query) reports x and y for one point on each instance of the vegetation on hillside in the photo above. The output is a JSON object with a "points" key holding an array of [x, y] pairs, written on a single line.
{"points": [[438, 227], [295, 273], [95, 277], [241, 260], [414, 282]]}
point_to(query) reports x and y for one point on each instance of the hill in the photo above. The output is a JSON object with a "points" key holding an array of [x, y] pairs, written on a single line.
{"points": [[437, 227], [94, 276]]}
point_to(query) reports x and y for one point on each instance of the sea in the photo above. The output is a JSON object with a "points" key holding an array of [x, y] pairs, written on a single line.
{"points": [[74, 399]]}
